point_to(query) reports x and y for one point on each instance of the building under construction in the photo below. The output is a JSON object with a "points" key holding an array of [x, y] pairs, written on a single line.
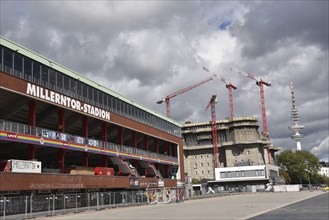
{"points": [[242, 151]]}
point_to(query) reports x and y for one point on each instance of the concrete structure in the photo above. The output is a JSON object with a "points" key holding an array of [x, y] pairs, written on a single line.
{"points": [[296, 127], [240, 144], [54, 115]]}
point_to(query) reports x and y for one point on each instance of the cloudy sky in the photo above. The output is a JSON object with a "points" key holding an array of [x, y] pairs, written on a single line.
{"points": [[148, 50]]}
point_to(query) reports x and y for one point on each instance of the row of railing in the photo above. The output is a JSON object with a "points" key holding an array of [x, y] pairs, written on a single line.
{"points": [[24, 207], [46, 133]]}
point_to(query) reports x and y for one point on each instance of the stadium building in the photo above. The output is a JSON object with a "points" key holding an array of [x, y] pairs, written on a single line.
{"points": [[62, 132]]}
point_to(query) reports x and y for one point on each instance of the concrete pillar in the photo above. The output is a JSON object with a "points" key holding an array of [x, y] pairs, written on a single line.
{"points": [[166, 148], [133, 139], [166, 169], [61, 121], [85, 126], [31, 151], [105, 160], [85, 159], [146, 143], [104, 132], [32, 113], [156, 145], [120, 136], [32, 122], [61, 159]]}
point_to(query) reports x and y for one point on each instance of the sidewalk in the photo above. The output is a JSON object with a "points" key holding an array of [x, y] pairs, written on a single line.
{"points": [[227, 207]]}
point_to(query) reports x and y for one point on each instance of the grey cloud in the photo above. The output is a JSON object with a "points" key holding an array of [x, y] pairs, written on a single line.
{"points": [[147, 50], [271, 25]]}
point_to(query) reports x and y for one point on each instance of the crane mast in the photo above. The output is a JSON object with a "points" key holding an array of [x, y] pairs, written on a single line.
{"points": [[167, 99], [230, 88], [260, 83], [212, 103]]}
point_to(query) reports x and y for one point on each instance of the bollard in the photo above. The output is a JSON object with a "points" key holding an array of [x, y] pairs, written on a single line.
{"points": [[88, 196], [54, 204], [76, 202], [64, 196], [4, 208], [97, 201], [25, 206], [31, 208], [48, 204]]}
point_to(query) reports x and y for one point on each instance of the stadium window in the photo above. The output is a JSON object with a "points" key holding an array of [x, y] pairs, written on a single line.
{"points": [[66, 83], [27, 69], [36, 72], [73, 86], [101, 99], [44, 75], [90, 94], [96, 96], [106, 101], [84, 91], [59, 81], [52, 78], [1, 60], [79, 88], [18, 65], [115, 104], [8, 61]]}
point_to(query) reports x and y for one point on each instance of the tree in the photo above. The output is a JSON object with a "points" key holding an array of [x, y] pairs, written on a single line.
{"points": [[285, 176], [301, 166]]}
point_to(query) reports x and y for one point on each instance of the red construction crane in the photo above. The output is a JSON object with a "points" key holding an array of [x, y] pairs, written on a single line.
{"points": [[167, 99], [212, 103], [229, 86], [260, 83]]}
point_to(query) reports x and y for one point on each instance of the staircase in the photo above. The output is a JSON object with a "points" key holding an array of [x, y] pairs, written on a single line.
{"points": [[151, 170], [126, 168]]}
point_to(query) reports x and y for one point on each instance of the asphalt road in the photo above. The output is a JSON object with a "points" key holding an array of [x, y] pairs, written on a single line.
{"points": [[227, 207], [315, 208]]}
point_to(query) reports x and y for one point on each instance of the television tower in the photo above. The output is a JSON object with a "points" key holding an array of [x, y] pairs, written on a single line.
{"points": [[296, 127]]}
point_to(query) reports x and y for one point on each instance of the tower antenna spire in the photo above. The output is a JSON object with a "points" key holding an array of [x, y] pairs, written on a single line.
{"points": [[296, 127]]}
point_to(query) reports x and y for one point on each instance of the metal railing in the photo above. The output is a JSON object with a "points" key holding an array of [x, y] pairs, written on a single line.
{"points": [[23, 207], [46, 133]]}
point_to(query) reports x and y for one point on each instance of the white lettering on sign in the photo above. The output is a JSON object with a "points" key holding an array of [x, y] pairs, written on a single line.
{"points": [[65, 101]]}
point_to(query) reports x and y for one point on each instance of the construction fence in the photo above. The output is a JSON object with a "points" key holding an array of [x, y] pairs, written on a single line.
{"points": [[25, 207]]}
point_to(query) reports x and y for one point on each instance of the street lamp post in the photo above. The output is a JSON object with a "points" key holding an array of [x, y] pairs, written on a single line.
{"points": [[309, 179], [308, 175]]}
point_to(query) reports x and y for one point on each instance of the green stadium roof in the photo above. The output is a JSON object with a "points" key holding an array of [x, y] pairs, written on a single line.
{"points": [[41, 59]]}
